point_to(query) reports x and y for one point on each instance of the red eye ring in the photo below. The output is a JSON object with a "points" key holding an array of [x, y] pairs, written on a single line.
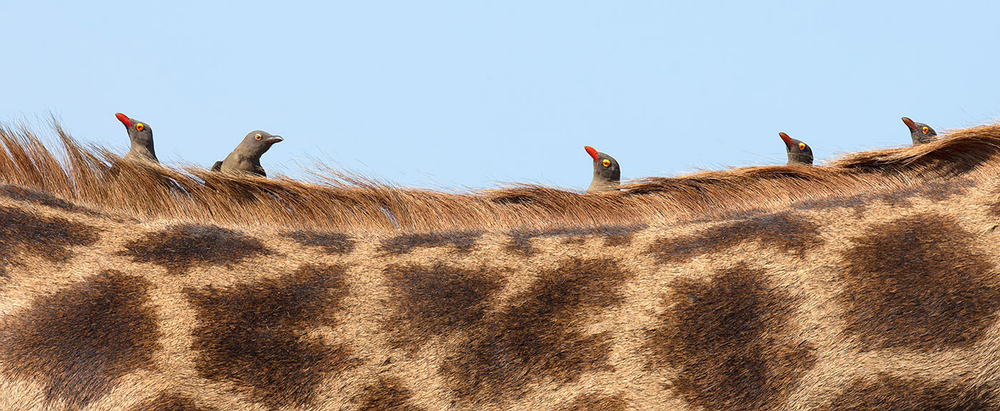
{"points": [[257, 137]]}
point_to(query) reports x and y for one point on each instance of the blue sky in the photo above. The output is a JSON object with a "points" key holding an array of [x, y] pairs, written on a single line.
{"points": [[456, 94]]}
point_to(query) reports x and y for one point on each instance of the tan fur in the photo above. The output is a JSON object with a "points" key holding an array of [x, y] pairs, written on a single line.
{"points": [[872, 283]]}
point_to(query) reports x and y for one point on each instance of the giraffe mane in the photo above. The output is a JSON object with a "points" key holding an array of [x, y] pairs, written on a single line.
{"points": [[95, 177]]}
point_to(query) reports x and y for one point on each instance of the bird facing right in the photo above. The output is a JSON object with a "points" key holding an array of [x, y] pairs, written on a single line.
{"points": [[246, 157]]}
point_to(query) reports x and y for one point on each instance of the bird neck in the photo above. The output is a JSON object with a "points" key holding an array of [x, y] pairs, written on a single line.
{"points": [[143, 151]]}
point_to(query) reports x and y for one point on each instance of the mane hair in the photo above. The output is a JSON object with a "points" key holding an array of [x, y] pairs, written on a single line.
{"points": [[96, 178]]}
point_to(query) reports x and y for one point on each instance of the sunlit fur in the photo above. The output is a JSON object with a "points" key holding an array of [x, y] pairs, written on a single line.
{"points": [[868, 283], [342, 201]]}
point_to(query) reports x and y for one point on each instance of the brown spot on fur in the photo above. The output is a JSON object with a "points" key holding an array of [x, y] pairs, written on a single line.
{"points": [[891, 393], [46, 237], [331, 243], [437, 300], [44, 199], [388, 395], [594, 402], [170, 402], [254, 335], [918, 283], [463, 241], [78, 341], [182, 246], [724, 338], [539, 335], [787, 231], [899, 198], [614, 236]]}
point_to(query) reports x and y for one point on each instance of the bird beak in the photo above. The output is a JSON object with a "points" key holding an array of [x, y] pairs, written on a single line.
{"points": [[786, 139], [910, 124], [124, 119], [274, 139], [591, 151]]}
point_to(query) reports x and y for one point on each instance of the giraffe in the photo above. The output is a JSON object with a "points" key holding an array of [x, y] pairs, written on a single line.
{"points": [[870, 283]]}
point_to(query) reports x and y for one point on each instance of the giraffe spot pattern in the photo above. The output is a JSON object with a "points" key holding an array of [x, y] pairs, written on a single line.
{"points": [[182, 246], [724, 338], [253, 334], [899, 198], [387, 395], [787, 231], [538, 335], [614, 236], [43, 199], [595, 402], [891, 393], [463, 241], [436, 300], [78, 341], [331, 243], [46, 237], [170, 402], [927, 293]]}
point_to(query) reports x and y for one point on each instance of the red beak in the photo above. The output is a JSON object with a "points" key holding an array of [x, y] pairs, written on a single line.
{"points": [[591, 151], [786, 138], [910, 124], [124, 119]]}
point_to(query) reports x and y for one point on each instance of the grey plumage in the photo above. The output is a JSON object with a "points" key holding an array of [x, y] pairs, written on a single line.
{"points": [[920, 133], [607, 173], [140, 136], [798, 151], [246, 157]]}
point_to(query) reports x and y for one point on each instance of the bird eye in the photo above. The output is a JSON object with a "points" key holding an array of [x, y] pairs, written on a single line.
{"points": [[140, 126], [802, 146], [606, 162], [257, 136], [925, 130]]}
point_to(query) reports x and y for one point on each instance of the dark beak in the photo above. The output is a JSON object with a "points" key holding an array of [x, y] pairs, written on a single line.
{"points": [[910, 124], [273, 139]]}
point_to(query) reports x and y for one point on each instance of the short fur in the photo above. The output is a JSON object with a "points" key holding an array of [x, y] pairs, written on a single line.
{"points": [[871, 283]]}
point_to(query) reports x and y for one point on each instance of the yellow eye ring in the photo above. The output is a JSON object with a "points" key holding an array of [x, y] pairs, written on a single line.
{"points": [[606, 162], [802, 146], [139, 126], [257, 136], [925, 130]]}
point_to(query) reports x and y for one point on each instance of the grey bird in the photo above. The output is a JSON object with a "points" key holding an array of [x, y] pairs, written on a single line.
{"points": [[798, 152], [607, 174], [141, 136], [920, 133], [246, 157]]}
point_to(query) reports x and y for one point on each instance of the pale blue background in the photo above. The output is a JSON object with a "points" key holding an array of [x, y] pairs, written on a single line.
{"points": [[471, 94]]}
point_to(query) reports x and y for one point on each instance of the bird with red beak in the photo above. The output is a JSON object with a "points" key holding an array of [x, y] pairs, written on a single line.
{"points": [[799, 153], [920, 133], [607, 174], [141, 137]]}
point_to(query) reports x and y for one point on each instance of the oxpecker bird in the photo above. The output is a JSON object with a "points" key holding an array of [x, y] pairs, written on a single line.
{"points": [[141, 137], [246, 157], [798, 152], [607, 174], [920, 133]]}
